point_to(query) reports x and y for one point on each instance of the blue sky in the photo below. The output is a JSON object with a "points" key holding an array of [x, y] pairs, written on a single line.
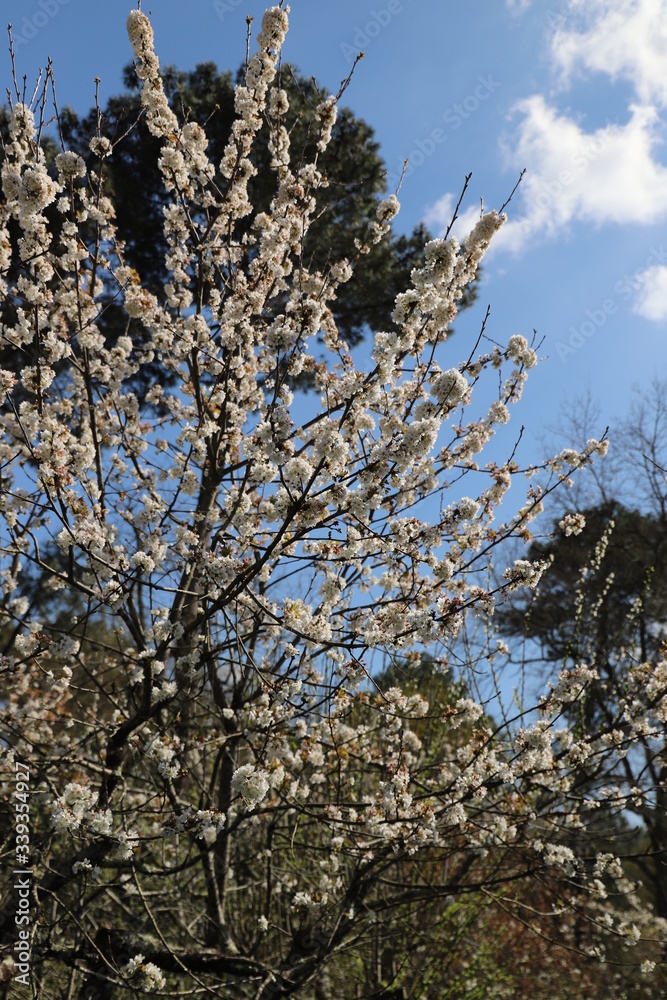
{"points": [[572, 90]]}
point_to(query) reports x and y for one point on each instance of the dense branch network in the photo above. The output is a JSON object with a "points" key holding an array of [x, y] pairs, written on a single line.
{"points": [[225, 793]]}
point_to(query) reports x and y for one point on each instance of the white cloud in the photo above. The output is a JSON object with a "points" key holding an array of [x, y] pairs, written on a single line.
{"points": [[439, 216], [607, 175], [518, 6], [611, 174], [651, 300], [622, 38]]}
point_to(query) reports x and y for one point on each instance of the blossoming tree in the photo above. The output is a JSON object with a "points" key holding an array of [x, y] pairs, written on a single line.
{"points": [[223, 796]]}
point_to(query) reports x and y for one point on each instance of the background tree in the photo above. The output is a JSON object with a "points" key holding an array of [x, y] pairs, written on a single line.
{"points": [[604, 603], [249, 813], [606, 591]]}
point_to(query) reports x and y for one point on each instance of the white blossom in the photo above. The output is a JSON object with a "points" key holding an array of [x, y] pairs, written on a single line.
{"points": [[251, 784], [146, 975]]}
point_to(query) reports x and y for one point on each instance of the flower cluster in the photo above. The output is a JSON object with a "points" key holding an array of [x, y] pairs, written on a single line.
{"points": [[144, 974]]}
